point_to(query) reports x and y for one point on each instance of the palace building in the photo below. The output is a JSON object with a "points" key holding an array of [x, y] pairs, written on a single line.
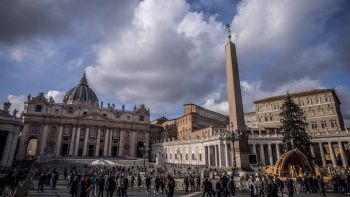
{"points": [[80, 126], [207, 144]]}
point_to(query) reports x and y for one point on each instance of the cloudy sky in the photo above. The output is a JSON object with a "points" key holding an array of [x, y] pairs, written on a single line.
{"points": [[164, 53]]}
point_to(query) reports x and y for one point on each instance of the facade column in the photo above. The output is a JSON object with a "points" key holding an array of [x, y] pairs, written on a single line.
{"points": [[43, 139], [331, 151], [344, 159], [110, 141], [219, 155], [226, 154], [23, 143], [97, 151], [132, 141], [105, 146], [312, 150], [86, 139], [216, 155], [121, 143], [59, 141], [322, 154], [270, 153], [77, 140], [278, 151], [72, 142], [262, 155], [7, 149]]}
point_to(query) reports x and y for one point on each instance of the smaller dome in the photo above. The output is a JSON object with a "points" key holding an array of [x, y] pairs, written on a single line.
{"points": [[81, 93]]}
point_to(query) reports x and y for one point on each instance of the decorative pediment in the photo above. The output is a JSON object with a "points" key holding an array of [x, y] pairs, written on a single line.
{"points": [[94, 116]]}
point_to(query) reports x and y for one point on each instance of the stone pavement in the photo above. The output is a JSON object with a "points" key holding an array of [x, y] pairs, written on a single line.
{"points": [[63, 191]]}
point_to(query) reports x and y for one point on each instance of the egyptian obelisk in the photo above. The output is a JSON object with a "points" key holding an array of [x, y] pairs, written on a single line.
{"points": [[234, 95]]}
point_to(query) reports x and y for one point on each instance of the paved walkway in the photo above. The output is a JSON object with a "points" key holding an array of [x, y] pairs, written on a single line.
{"points": [[63, 191]]}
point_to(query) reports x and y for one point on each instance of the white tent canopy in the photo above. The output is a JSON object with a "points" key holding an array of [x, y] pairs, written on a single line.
{"points": [[102, 162]]}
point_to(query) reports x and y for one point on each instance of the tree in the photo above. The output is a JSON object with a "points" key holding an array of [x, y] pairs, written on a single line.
{"points": [[294, 127]]}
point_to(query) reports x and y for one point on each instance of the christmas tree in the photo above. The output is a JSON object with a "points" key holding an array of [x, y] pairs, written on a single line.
{"points": [[294, 127]]}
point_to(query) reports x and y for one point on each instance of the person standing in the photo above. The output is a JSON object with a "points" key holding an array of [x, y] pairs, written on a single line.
{"points": [[290, 187], [321, 187], [101, 186], [81, 188], [170, 185], [41, 182], [208, 188], [218, 188], [231, 186]]}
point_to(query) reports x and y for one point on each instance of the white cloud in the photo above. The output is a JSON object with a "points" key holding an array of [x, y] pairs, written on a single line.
{"points": [[17, 102], [75, 63], [56, 95], [255, 91], [17, 54], [167, 55]]}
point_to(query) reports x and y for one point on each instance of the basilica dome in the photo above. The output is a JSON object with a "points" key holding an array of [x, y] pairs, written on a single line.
{"points": [[81, 94]]}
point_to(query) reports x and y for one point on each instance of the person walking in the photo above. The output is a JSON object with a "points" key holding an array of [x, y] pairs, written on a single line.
{"points": [[231, 186], [101, 186], [81, 188], [170, 186]]}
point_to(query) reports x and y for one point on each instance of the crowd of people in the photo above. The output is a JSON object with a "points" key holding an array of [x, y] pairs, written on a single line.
{"points": [[11, 176]]}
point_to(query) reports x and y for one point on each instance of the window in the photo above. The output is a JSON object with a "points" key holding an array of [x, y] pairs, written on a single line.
{"points": [[175, 156], [323, 124], [314, 126], [318, 100], [128, 117], [330, 110], [265, 118], [56, 111], [141, 118], [92, 133], [171, 156], [70, 110], [66, 131], [193, 156], [186, 156], [84, 112], [35, 129], [38, 108], [200, 156], [333, 124]]}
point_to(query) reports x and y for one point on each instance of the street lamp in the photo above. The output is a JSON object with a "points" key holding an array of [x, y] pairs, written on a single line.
{"points": [[234, 135]]}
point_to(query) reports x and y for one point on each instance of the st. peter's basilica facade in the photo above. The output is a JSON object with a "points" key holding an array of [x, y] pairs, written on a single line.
{"points": [[82, 127]]}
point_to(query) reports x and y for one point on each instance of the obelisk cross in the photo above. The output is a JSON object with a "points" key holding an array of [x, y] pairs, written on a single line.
{"points": [[228, 29]]}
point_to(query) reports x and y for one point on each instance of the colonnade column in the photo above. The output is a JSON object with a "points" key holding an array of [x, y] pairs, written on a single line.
{"points": [[44, 139], [121, 143], [71, 145], [226, 152], [86, 139], [331, 151], [270, 153], [77, 139], [97, 151], [105, 146], [209, 160], [7, 149], [312, 150], [262, 155], [278, 151], [344, 159], [322, 154], [219, 155], [233, 157], [216, 155]]}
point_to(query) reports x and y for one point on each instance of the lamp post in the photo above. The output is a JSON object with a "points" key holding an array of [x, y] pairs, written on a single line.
{"points": [[234, 135]]}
